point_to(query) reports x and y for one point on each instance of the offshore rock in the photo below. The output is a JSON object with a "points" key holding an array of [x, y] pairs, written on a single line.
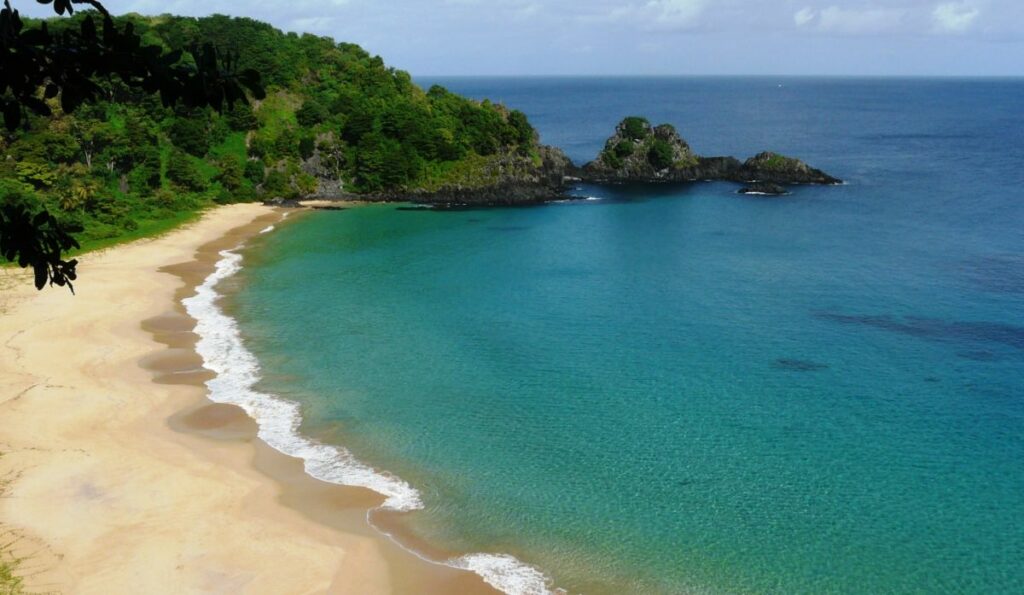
{"points": [[639, 152]]}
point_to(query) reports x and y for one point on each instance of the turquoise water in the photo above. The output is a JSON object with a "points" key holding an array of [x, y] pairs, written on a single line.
{"points": [[679, 389]]}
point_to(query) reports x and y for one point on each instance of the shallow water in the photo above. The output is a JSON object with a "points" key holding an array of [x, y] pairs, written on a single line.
{"points": [[679, 389]]}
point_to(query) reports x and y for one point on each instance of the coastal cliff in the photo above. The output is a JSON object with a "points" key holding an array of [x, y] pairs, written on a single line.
{"points": [[639, 152]]}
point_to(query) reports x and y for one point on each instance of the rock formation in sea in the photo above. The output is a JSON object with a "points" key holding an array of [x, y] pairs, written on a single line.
{"points": [[639, 152], [764, 188], [636, 152]]}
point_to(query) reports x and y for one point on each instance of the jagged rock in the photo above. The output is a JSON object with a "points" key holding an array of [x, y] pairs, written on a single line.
{"points": [[638, 152], [278, 201], [764, 188], [779, 169], [504, 179]]}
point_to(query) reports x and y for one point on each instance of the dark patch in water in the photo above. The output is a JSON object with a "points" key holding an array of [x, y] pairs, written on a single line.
{"points": [[935, 329], [1000, 273], [508, 228], [414, 208], [978, 356], [799, 365], [474, 220], [931, 379]]}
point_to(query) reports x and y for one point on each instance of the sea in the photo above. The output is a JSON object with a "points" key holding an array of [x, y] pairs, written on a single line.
{"points": [[669, 389]]}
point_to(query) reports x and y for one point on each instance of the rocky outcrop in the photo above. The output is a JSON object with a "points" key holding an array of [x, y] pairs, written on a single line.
{"points": [[779, 169], [505, 179], [638, 152], [764, 189], [502, 180]]}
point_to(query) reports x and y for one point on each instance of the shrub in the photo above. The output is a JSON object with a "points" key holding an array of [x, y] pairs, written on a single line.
{"points": [[183, 172], [311, 113], [635, 127], [254, 171], [660, 155], [190, 134], [624, 149], [306, 147]]}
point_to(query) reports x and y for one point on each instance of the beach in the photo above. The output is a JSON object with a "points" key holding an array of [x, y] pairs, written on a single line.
{"points": [[118, 474]]}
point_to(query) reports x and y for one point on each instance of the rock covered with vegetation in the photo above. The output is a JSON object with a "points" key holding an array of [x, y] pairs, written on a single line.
{"points": [[778, 169], [335, 122], [639, 152]]}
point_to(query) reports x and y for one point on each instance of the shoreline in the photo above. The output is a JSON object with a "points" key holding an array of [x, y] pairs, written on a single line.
{"points": [[123, 476]]}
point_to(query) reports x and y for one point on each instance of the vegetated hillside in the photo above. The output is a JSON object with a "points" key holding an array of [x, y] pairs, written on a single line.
{"points": [[336, 120]]}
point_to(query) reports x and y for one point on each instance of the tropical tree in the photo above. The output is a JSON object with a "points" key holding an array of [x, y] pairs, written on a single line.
{"points": [[66, 66]]}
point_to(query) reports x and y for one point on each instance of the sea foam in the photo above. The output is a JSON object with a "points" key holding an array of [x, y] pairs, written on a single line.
{"points": [[237, 372]]}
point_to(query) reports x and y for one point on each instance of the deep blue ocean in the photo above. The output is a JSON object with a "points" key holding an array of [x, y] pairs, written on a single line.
{"points": [[679, 389]]}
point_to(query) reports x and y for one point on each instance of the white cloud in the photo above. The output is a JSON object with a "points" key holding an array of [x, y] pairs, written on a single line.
{"points": [[954, 17], [803, 16], [863, 21], [651, 15], [676, 12]]}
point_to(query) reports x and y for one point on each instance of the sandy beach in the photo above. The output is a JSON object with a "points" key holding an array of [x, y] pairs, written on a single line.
{"points": [[120, 477]]}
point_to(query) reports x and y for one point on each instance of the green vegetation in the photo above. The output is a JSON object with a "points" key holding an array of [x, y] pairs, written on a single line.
{"points": [[775, 162], [635, 127], [127, 164], [660, 155], [9, 583]]}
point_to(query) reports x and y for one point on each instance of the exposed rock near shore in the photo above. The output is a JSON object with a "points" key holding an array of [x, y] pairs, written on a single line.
{"points": [[764, 188], [504, 179], [638, 152]]}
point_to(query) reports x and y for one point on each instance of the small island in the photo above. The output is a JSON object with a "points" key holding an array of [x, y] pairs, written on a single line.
{"points": [[639, 152]]}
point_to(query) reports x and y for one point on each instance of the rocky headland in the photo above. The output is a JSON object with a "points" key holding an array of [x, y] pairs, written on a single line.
{"points": [[636, 152]]}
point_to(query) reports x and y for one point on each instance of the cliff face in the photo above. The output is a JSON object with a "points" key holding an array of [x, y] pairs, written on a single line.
{"points": [[503, 179], [638, 152], [508, 178]]}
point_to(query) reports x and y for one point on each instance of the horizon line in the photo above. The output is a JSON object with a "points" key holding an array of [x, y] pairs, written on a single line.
{"points": [[683, 75]]}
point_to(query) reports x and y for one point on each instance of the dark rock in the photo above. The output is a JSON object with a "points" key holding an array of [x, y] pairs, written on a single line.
{"points": [[764, 188], [799, 365], [638, 152], [278, 201], [779, 169]]}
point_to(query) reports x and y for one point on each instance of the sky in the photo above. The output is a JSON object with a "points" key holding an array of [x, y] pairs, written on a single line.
{"points": [[649, 37]]}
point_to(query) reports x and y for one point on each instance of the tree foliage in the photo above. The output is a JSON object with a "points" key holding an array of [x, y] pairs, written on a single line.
{"points": [[660, 155], [44, 68], [635, 127], [124, 145]]}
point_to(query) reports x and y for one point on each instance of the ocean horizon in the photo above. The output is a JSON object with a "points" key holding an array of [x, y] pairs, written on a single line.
{"points": [[675, 388]]}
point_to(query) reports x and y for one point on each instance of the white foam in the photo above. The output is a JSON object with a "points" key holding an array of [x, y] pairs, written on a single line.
{"points": [[506, 573], [237, 372], [267, 229], [220, 346]]}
